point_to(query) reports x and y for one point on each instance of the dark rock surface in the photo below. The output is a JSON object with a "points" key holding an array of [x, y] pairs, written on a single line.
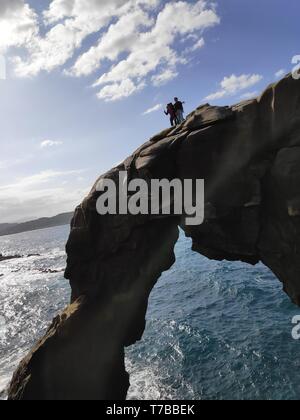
{"points": [[50, 271], [249, 156], [13, 257], [9, 257]]}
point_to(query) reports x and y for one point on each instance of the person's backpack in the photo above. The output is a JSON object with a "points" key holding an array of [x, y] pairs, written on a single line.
{"points": [[171, 109]]}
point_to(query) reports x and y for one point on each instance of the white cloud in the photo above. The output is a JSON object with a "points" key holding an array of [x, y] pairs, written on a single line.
{"points": [[154, 48], [18, 24], [155, 108], [232, 85], [6, 164], [70, 22], [36, 179], [235, 83], [249, 95], [118, 39], [190, 37], [116, 91], [280, 73], [50, 143], [164, 77], [197, 46], [44, 193], [137, 37]]}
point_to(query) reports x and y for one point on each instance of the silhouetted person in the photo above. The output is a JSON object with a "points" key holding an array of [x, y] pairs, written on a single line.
{"points": [[178, 106], [171, 111]]}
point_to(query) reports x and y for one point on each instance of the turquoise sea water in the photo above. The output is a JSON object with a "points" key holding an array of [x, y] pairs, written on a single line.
{"points": [[216, 330]]}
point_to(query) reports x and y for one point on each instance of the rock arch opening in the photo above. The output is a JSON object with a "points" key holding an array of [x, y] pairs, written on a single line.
{"points": [[214, 330]]}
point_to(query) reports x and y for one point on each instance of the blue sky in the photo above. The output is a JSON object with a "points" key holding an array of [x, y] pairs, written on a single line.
{"points": [[59, 132]]}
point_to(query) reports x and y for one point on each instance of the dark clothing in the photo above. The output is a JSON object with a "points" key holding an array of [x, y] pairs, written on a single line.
{"points": [[178, 106], [173, 120], [172, 112]]}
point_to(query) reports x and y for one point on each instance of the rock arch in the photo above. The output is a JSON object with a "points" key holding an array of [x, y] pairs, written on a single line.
{"points": [[249, 156]]}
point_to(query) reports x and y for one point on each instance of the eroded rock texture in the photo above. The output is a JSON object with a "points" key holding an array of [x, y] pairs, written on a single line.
{"points": [[249, 156]]}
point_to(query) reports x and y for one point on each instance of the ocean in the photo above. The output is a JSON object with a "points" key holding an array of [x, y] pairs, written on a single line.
{"points": [[215, 330]]}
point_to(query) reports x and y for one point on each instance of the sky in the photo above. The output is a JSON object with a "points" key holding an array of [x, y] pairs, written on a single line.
{"points": [[83, 83]]}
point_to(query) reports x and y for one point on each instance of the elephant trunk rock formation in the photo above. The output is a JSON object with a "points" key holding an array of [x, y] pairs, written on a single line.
{"points": [[249, 156]]}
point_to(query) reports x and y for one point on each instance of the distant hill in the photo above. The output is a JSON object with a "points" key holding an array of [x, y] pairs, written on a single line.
{"points": [[6, 226], [43, 223]]}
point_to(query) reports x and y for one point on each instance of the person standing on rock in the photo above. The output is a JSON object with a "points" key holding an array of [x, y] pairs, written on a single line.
{"points": [[171, 111], [178, 106]]}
